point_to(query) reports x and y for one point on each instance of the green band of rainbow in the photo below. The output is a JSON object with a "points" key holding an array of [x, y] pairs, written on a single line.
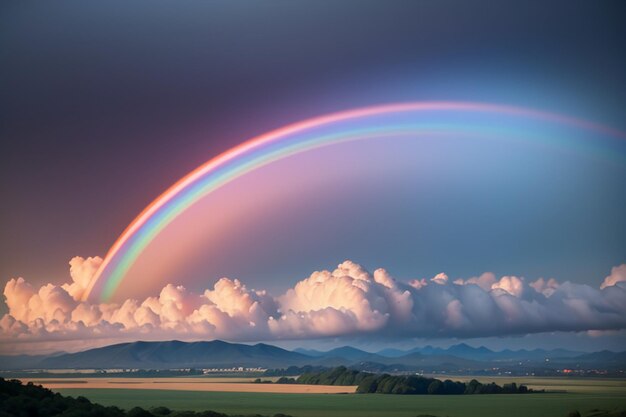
{"points": [[300, 137]]}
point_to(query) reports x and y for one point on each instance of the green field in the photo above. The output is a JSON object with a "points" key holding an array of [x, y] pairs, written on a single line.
{"points": [[554, 384], [366, 405]]}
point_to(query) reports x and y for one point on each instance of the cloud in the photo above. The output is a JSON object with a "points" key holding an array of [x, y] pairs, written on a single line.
{"points": [[512, 285], [81, 272], [545, 287], [440, 278], [484, 281], [347, 301], [618, 274]]}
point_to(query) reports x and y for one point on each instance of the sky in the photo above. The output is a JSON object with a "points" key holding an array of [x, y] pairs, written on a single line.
{"points": [[104, 106]]}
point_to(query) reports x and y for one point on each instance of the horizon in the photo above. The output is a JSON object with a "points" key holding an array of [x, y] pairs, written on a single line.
{"points": [[324, 346]]}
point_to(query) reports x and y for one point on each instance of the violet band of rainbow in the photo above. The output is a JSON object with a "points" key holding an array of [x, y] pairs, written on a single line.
{"points": [[290, 140]]}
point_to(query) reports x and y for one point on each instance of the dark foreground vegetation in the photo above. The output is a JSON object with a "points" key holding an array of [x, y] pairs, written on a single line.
{"points": [[598, 413], [19, 400], [592, 413], [400, 384]]}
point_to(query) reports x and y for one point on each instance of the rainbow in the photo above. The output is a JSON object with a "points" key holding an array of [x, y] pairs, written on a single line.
{"points": [[289, 140]]}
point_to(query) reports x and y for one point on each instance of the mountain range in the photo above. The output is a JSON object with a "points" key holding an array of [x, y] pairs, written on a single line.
{"points": [[461, 350], [210, 354]]}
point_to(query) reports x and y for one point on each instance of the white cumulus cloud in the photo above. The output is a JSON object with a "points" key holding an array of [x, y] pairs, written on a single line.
{"points": [[346, 301]]}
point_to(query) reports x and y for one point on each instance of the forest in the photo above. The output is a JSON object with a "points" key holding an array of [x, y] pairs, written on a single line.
{"points": [[368, 383]]}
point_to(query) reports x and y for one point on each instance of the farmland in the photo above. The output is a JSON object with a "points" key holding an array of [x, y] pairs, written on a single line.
{"points": [[583, 395], [188, 384], [555, 384]]}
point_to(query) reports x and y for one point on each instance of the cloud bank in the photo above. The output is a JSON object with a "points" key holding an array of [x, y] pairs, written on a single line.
{"points": [[347, 301]]}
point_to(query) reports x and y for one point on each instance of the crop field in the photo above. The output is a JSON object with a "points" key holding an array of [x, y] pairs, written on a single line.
{"points": [[587, 397], [552, 384], [188, 384]]}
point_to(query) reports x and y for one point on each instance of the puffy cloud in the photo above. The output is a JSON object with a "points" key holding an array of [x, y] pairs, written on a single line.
{"points": [[454, 314], [512, 285], [323, 322], [144, 316], [18, 293], [545, 287], [81, 271], [484, 281], [9, 326], [233, 298], [231, 309], [418, 283], [618, 274], [174, 304], [440, 278], [89, 315], [347, 301], [47, 304]]}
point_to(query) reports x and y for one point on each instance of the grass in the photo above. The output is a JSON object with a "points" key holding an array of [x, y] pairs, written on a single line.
{"points": [[367, 405], [569, 384]]}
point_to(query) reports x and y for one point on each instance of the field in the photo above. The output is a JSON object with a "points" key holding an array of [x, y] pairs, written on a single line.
{"points": [[583, 395], [554, 384], [187, 384]]}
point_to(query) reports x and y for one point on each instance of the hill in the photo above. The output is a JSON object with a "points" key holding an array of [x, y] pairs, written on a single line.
{"points": [[173, 354]]}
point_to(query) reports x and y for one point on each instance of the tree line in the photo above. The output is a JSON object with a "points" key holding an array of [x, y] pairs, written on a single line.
{"points": [[368, 383]]}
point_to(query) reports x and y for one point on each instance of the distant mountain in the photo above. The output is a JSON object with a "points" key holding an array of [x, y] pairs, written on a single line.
{"points": [[346, 352], [310, 352], [392, 353], [357, 358], [10, 362], [616, 360], [482, 353], [418, 361], [535, 354], [176, 354], [466, 351], [219, 354]]}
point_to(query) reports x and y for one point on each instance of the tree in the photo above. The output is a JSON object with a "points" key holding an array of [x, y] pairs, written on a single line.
{"points": [[368, 385], [435, 387]]}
